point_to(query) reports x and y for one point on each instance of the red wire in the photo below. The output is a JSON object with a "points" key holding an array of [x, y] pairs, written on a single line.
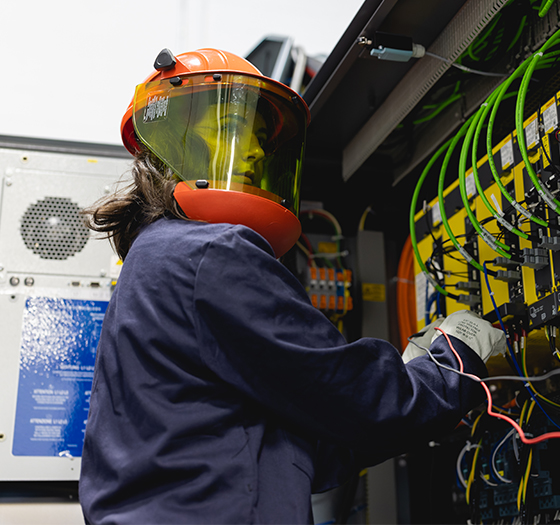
{"points": [[526, 440], [453, 349]]}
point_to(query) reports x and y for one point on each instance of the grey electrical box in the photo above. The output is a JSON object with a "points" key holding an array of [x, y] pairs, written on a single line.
{"points": [[55, 283]]}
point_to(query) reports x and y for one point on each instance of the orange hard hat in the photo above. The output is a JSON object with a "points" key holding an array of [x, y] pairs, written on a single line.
{"points": [[234, 138], [168, 66]]}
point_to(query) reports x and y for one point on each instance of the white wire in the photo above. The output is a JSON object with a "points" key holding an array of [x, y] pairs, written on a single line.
{"points": [[467, 448], [459, 461], [495, 453], [465, 68], [532, 379], [487, 481]]}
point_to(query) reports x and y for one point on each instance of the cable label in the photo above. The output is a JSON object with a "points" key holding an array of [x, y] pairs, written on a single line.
{"points": [[497, 204], [506, 155], [531, 133], [550, 116], [470, 185], [436, 214]]}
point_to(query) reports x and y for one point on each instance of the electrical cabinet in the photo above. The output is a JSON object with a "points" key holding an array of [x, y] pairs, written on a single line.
{"points": [[457, 155]]}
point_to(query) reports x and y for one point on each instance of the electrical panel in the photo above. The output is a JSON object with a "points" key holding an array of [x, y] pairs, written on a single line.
{"points": [[323, 264], [490, 242], [55, 284], [523, 279]]}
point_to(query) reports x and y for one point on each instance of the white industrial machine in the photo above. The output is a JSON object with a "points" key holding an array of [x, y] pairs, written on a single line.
{"points": [[55, 284]]}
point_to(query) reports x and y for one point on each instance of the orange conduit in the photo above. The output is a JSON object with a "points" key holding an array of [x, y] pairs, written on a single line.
{"points": [[406, 296]]}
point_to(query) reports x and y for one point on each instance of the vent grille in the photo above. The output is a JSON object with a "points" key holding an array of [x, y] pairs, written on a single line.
{"points": [[53, 228]]}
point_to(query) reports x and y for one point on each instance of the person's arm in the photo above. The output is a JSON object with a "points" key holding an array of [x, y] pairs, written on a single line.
{"points": [[258, 331]]}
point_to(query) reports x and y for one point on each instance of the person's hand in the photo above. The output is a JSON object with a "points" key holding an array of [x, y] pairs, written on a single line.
{"points": [[423, 338], [475, 332]]}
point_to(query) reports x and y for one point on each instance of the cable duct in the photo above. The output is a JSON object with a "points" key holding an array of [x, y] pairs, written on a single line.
{"points": [[469, 22]]}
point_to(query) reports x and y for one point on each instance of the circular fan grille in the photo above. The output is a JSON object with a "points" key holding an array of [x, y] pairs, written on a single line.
{"points": [[53, 229]]}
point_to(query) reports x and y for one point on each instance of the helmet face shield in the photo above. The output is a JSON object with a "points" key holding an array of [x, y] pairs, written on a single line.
{"points": [[238, 132]]}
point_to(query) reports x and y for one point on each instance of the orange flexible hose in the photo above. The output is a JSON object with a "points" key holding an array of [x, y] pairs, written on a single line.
{"points": [[406, 296]]}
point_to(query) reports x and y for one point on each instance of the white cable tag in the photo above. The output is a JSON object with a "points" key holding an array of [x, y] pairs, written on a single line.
{"points": [[496, 203], [531, 134], [506, 155], [470, 186], [550, 117], [436, 214]]}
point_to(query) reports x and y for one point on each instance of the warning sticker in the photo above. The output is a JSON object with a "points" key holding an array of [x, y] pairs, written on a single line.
{"points": [[57, 358], [373, 292]]}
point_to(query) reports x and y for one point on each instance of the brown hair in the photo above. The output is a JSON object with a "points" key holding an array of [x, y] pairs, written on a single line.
{"points": [[147, 198]]}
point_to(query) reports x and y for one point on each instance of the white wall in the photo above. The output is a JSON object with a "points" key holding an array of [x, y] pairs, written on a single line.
{"points": [[69, 67]]}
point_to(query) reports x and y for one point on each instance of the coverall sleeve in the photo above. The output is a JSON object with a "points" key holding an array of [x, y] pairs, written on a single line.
{"points": [[258, 331]]}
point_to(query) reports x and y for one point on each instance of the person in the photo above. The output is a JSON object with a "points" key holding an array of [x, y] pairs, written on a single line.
{"points": [[220, 395]]}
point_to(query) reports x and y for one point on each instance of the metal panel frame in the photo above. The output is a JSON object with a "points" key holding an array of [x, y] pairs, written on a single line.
{"points": [[453, 41]]}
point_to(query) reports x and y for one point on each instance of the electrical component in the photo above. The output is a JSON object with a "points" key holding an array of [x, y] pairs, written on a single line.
{"points": [[497, 216], [503, 262], [550, 243], [536, 258], [327, 289], [508, 276], [397, 48], [468, 285], [471, 300], [320, 265]]}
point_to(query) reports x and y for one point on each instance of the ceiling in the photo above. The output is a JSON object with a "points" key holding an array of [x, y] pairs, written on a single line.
{"points": [[352, 97]]}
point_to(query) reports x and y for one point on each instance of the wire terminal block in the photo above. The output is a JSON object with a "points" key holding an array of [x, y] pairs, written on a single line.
{"points": [[504, 262], [508, 276], [468, 285], [550, 243], [470, 300], [535, 258]]}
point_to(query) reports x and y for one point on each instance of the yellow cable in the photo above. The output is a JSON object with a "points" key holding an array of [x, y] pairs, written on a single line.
{"points": [[530, 412], [524, 481], [362, 223], [500, 410], [527, 474], [475, 424], [519, 494], [473, 468], [523, 410]]}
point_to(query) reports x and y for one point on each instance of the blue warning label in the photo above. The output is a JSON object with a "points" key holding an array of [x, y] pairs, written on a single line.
{"points": [[57, 358]]}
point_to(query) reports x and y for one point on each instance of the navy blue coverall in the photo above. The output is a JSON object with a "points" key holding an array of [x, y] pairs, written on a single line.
{"points": [[221, 395]]}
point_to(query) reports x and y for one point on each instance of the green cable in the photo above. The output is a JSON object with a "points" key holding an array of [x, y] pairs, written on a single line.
{"points": [[439, 109], [485, 108], [519, 32], [545, 6], [487, 237], [544, 192], [501, 91], [441, 186], [412, 224], [474, 125], [482, 39]]}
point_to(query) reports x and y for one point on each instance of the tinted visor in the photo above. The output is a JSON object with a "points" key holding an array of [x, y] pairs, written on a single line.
{"points": [[238, 132]]}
